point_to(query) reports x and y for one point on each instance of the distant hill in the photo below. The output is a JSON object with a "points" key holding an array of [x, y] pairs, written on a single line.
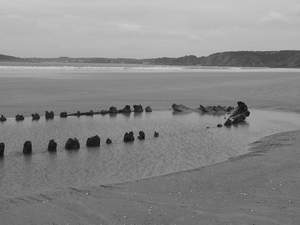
{"points": [[285, 59], [183, 61], [8, 58], [253, 59], [290, 59]]}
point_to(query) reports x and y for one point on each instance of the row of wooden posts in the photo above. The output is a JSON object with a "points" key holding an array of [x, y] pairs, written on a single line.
{"points": [[74, 144], [49, 115]]}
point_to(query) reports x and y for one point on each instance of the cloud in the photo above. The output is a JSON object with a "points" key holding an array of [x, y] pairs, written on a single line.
{"points": [[275, 17], [131, 27], [144, 28]]}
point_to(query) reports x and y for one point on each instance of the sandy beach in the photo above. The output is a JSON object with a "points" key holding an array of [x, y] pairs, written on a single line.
{"points": [[261, 187], [149, 112]]}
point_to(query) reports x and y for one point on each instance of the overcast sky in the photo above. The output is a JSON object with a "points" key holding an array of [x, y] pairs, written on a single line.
{"points": [[146, 28]]}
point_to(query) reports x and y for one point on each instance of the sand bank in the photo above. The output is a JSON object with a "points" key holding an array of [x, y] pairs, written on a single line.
{"points": [[262, 187]]}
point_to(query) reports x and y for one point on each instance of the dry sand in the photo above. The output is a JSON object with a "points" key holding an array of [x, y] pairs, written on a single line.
{"points": [[262, 187]]}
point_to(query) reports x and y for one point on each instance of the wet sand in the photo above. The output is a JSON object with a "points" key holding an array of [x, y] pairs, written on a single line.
{"points": [[26, 91], [261, 187]]}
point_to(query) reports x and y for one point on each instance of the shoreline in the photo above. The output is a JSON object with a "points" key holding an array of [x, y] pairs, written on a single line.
{"points": [[140, 67], [260, 187]]}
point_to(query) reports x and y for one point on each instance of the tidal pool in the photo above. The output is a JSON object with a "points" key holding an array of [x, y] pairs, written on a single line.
{"points": [[184, 143]]}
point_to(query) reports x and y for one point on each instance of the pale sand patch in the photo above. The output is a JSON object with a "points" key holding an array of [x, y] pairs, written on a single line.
{"points": [[262, 187]]}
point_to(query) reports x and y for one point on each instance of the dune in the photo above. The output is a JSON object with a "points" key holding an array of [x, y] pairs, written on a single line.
{"points": [[261, 187]]}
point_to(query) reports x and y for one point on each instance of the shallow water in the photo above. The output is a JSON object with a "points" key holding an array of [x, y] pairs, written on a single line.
{"points": [[184, 143]]}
